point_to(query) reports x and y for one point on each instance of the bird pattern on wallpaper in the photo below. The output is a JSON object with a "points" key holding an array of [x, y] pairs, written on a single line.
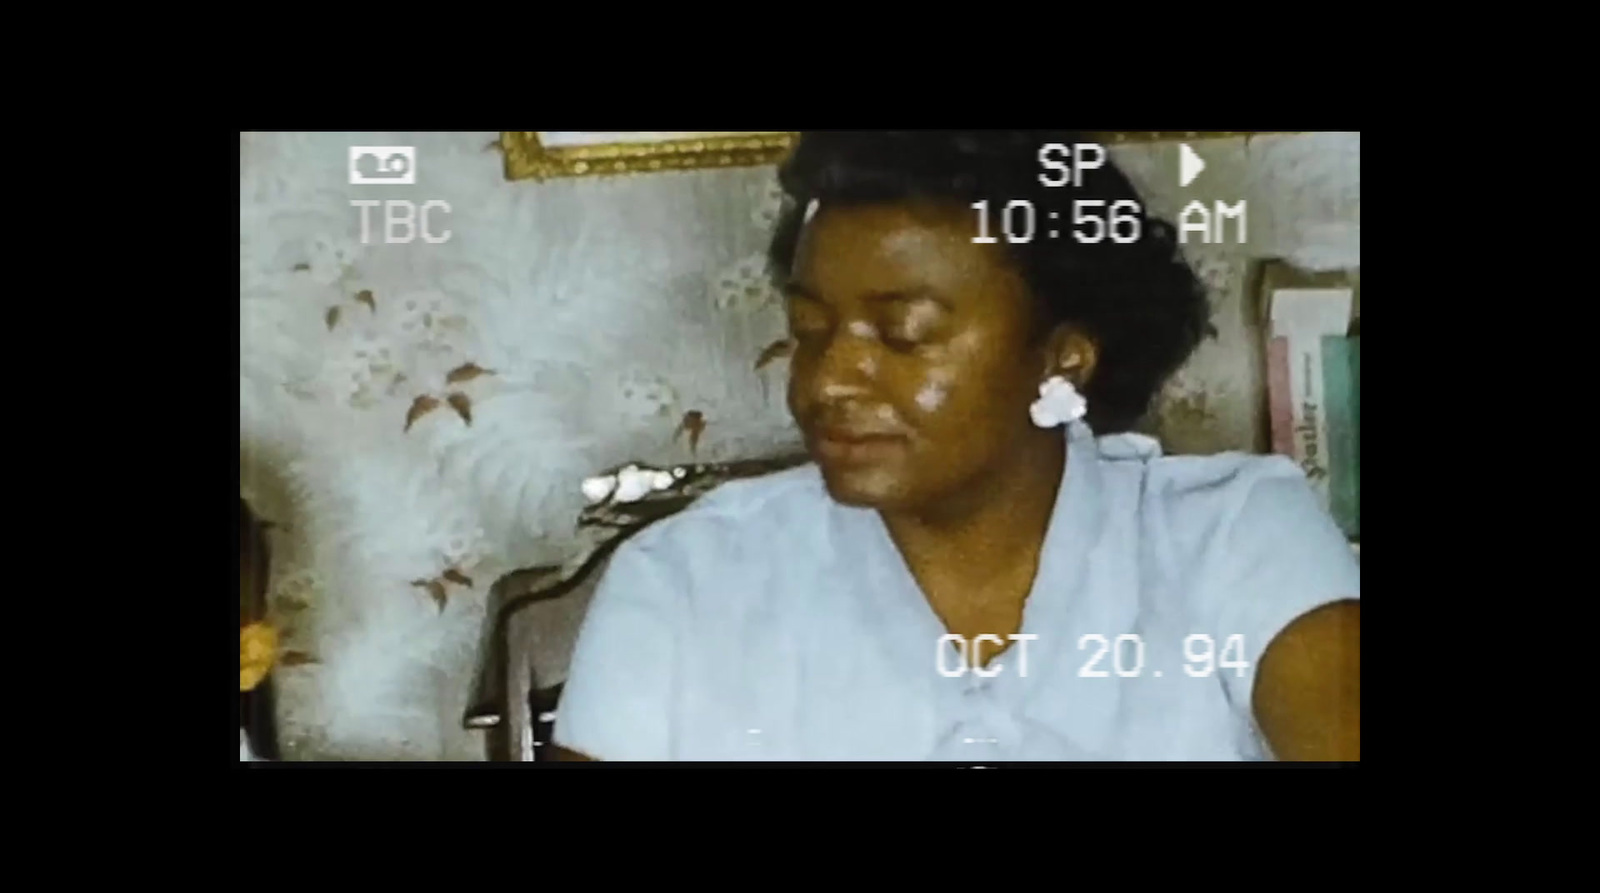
{"points": [[426, 417]]}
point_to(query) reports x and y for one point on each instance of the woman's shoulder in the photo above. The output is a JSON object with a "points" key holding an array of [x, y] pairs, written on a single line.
{"points": [[741, 513], [1194, 496], [1210, 517], [1219, 478]]}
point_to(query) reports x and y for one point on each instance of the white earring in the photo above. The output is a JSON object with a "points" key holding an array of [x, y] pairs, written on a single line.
{"points": [[1059, 403], [811, 210]]}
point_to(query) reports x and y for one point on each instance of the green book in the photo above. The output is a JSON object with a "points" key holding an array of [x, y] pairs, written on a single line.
{"points": [[1355, 423], [1355, 434], [1341, 398]]}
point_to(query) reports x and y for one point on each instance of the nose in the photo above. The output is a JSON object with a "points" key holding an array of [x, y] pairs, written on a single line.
{"points": [[845, 367]]}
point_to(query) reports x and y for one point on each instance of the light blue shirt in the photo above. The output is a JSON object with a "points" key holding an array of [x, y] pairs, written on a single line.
{"points": [[768, 622]]}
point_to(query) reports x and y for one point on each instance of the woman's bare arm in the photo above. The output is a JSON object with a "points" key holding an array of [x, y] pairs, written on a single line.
{"points": [[1308, 687]]}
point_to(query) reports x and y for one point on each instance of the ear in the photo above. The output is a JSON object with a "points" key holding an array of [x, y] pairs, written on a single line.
{"points": [[1072, 354]]}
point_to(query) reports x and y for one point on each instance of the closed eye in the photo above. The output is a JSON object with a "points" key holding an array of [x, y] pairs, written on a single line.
{"points": [[806, 318], [896, 344]]}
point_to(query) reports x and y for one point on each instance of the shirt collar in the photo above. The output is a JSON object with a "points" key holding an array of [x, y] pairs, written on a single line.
{"points": [[896, 605]]}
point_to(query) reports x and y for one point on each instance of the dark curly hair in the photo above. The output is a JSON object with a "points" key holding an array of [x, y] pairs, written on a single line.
{"points": [[1140, 302]]}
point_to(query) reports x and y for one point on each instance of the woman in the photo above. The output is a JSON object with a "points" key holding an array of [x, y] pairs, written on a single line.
{"points": [[257, 643], [1132, 607]]}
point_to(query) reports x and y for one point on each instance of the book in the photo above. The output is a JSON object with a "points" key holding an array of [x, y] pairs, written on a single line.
{"points": [[1355, 417], [1341, 388], [1299, 319], [1280, 397]]}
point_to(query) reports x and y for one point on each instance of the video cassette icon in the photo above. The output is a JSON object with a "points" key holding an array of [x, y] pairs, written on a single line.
{"points": [[383, 165]]}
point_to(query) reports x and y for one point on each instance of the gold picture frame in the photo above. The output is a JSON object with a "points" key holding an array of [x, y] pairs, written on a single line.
{"points": [[542, 155]]}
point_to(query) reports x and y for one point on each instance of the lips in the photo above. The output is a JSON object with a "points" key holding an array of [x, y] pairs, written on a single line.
{"points": [[852, 446], [856, 435]]}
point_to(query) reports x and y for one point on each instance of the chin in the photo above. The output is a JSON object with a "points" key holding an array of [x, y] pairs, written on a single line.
{"points": [[863, 488]]}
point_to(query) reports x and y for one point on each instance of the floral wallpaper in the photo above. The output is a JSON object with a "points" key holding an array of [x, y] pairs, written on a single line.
{"points": [[416, 419]]}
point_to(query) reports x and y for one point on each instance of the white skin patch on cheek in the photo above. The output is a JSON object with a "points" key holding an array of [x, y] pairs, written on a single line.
{"points": [[919, 318], [861, 329], [931, 396], [868, 366]]}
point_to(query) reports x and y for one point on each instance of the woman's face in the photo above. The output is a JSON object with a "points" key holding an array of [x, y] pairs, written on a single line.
{"points": [[913, 366]]}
